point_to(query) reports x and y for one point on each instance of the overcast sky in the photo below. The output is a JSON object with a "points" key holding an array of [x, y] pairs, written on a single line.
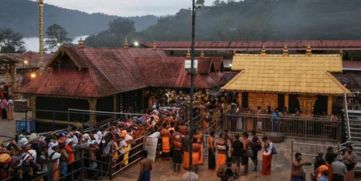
{"points": [[125, 7]]}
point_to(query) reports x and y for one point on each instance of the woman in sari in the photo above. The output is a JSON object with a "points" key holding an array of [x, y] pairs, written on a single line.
{"points": [[267, 156], [4, 105], [11, 107]]}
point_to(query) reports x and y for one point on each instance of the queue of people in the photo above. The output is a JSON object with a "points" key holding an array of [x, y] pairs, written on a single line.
{"points": [[55, 155]]}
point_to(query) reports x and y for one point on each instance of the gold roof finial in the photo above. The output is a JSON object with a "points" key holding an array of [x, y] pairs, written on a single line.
{"points": [[309, 50], [188, 54], [263, 51], [285, 50], [81, 43], [202, 53], [126, 44], [154, 45], [234, 52], [341, 52]]}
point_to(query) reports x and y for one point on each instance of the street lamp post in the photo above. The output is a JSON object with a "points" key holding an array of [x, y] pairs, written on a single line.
{"points": [[195, 5]]}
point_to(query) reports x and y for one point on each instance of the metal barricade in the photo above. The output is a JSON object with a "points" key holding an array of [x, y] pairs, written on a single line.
{"points": [[310, 150], [133, 157], [311, 127]]}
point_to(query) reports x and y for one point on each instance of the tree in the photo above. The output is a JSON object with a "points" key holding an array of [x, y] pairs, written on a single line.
{"points": [[121, 26], [114, 36], [10, 41], [56, 35]]}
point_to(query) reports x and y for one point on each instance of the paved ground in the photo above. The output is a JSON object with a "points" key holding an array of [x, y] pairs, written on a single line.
{"points": [[162, 170], [8, 128]]}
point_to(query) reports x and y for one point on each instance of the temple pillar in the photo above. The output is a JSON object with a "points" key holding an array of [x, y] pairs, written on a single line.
{"points": [[239, 98], [329, 105], [92, 107], [115, 106], [120, 104], [32, 104], [287, 102], [306, 104]]}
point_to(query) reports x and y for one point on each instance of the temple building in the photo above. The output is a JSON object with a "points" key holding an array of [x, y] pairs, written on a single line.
{"points": [[7, 73], [112, 79], [289, 82]]}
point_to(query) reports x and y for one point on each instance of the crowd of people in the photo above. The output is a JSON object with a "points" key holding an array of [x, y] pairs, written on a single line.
{"points": [[56, 155], [327, 167], [226, 153]]}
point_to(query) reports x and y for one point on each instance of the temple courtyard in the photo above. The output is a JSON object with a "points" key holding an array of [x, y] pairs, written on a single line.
{"points": [[281, 165]]}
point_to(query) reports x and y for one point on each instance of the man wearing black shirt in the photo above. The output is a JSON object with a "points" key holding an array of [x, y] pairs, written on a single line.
{"points": [[237, 148]]}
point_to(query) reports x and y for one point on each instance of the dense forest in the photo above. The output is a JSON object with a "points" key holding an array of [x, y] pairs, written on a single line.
{"points": [[253, 20], [22, 16]]}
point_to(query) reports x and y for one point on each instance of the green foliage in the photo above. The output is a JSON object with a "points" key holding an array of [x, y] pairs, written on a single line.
{"points": [[262, 20], [56, 35], [249, 20], [10, 41], [114, 36]]}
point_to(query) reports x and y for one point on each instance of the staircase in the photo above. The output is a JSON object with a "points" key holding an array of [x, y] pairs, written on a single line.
{"points": [[353, 129]]}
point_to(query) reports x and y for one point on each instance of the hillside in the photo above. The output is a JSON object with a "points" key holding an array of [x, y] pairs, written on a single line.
{"points": [[22, 17], [263, 20]]}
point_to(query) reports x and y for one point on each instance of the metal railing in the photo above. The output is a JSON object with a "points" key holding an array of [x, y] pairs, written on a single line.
{"points": [[311, 127], [347, 118], [310, 150], [106, 168]]}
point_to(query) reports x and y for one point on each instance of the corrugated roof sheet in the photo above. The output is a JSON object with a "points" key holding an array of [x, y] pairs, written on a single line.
{"points": [[103, 71], [352, 65], [351, 80], [289, 74], [169, 72]]}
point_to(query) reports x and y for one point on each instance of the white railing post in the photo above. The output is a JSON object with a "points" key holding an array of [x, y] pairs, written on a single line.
{"points": [[347, 118]]}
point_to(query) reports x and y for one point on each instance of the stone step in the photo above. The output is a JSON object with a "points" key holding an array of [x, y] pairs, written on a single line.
{"points": [[356, 130], [355, 139], [354, 125], [355, 133]]}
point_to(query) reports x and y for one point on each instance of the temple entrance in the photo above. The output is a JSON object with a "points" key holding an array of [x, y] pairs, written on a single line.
{"points": [[244, 99], [320, 107], [293, 103], [132, 101], [281, 102]]}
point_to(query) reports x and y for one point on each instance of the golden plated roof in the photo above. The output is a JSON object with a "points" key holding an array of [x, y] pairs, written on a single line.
{"points": [[299, 73]]}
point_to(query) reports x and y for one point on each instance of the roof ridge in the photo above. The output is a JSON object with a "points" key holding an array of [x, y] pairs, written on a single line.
{"points": [[97, 68], [337, 82], [232, 80], [290, 55]]}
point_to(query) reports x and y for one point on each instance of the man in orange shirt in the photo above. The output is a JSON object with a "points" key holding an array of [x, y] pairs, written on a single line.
{"points": [[70, 150], [211, 152], [177, 150], [71, 154], [165, 141]]}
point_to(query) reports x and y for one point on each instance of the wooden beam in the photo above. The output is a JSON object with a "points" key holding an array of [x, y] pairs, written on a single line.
{"points": [[329, 105], [287, 102], [93, 107]]}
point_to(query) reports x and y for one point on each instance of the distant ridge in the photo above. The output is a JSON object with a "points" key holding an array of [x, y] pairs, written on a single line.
{"points": [[21, 16]]}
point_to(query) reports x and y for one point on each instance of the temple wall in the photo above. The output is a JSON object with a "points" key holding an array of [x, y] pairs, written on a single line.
{"points": [[264, 100]]}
